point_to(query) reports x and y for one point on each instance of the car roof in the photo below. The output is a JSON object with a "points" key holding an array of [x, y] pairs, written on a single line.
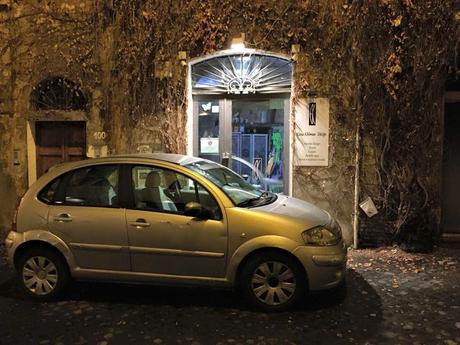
{"points": [[165, 157]]}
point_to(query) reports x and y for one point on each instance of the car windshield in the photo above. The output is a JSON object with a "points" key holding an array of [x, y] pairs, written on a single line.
{"points": [[241, 192]]}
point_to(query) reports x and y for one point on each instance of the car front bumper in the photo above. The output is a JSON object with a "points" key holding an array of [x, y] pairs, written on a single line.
{"points": [[325, 265]]}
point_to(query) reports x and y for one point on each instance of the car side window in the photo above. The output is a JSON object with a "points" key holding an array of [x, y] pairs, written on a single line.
{"points": [[93, 186], [47, 194], [164, 190]]}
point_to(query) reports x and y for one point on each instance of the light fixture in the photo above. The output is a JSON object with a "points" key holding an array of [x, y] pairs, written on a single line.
{"points": [[295, 51], [182, 57], [238, 42]]}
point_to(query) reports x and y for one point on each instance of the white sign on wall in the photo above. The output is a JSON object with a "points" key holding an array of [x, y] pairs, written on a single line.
{"points": [[209, 145], [311, 131]]}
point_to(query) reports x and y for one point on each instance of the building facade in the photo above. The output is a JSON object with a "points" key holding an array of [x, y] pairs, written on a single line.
{"points": [[304, 99]]}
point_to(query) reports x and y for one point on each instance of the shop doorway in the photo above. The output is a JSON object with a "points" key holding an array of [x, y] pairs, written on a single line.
{"points": [[59, 141], [250, 128], [241, 108], [451, 169]]}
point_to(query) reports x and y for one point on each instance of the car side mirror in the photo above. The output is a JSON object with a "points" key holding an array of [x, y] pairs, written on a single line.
{"points": [[194, 209]]}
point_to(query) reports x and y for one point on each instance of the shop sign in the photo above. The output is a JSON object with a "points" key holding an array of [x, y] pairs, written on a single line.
{"points": [[311, 131]]}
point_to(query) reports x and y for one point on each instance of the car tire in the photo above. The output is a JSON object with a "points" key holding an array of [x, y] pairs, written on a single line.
{"points": [[273, 281], [42, 273]]}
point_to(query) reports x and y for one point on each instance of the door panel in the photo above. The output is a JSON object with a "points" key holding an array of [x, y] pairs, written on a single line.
{"points": [[96, 235], [175, 244], [86, 215], [162, 239], [59, 141]]}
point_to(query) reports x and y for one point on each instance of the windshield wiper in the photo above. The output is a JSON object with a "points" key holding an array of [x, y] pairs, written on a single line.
{"points": [[251, 200]]}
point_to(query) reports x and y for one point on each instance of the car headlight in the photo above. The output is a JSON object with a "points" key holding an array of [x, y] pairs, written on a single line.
{"points": [[320, 236]]}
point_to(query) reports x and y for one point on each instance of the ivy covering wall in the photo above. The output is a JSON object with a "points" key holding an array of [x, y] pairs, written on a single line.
{"points": [[383, 64]]}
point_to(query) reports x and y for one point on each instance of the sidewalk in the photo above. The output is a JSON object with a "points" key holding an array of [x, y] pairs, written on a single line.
{"points": [[392, 298]]}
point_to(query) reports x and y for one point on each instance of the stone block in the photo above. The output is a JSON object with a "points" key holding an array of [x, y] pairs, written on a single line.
{"points": [[6, 57]]}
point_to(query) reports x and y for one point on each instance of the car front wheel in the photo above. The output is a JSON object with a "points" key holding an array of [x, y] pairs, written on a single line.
{"points": [[42, 273], [273, 281]]}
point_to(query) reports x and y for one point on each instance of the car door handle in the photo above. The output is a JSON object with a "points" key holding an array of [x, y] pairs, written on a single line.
{"points": [[140, 223], [63, 218]]}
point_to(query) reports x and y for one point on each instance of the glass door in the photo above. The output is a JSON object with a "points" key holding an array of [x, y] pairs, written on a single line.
{"points": [[258, 139], [252, 131], [208, 129]]}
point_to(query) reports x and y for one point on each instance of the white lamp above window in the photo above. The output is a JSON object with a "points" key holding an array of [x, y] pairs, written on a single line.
{"points": [[238, 42]]}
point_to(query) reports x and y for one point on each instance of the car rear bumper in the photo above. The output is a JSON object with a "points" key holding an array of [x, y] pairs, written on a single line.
{"points": [[325, 266], [12, 241]]}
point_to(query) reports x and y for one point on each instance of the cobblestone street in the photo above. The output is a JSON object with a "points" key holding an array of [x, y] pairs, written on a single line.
{"points": [[392, 298]]}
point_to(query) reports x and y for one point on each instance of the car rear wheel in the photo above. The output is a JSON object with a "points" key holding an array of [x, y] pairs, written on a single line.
{"points": [[42, 273], [273, 281]]}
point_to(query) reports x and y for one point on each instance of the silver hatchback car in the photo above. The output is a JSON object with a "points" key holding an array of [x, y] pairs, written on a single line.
{"points": [[171, 219]]}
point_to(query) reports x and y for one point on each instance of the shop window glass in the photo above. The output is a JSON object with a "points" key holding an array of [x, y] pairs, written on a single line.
{"points": [[208, 129]]}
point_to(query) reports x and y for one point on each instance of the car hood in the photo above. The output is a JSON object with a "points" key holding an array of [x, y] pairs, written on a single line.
{"points": [[296, 208]]}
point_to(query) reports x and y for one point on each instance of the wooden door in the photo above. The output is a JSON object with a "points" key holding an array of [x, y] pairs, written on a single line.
{"points": [[59, 141]]}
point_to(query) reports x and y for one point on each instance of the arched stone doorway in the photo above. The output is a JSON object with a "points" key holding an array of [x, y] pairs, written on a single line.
{"points": [[56, 130], [240, 107]]}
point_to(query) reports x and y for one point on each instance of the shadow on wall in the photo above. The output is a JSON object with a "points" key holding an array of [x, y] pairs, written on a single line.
{"points": [[8, 204]]}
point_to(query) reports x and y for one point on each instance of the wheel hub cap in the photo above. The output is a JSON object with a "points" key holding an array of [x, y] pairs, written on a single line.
{"points": [[273, 283], [39, 275]]}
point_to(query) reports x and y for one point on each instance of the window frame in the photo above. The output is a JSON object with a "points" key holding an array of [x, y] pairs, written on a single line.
{"points": [[130, 199]]}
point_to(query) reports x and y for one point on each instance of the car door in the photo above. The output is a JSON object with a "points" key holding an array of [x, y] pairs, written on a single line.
{"points": [[87, 215], [162, 239]]}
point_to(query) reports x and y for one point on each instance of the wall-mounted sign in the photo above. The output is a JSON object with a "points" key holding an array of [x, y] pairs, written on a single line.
{"points": [[368, 206], [311, 131], [209, 145]]}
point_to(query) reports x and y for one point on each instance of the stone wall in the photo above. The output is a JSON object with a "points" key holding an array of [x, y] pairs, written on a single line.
{"points": [[8, 192], [128, 69], [332, 187]]}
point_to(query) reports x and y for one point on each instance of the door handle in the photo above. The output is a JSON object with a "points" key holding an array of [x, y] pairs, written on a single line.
{"points": [[63, 218], [140, 223]]}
